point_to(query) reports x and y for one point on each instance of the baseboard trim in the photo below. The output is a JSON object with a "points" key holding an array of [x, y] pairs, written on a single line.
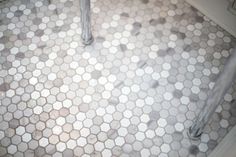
{"points": [[217, 11]]}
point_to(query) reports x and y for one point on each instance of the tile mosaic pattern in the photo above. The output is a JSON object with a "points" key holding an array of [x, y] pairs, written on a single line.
{"points": [[134, 92]]}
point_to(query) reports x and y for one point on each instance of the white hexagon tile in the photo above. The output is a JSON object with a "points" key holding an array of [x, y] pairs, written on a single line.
{"points": [[134, 92]]}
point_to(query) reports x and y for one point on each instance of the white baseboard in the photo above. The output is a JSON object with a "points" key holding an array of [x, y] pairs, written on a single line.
{"points": [[217, 11], [227, 147]]}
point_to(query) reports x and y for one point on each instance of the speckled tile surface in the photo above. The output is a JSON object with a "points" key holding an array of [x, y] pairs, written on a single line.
{"points": [[134, 92]]}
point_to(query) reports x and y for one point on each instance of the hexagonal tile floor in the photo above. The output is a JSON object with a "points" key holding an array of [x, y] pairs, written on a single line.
{"points": [[134, 92]]}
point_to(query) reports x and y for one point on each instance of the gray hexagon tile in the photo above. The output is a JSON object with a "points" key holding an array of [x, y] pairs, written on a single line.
{"points": [[134, 92]]}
